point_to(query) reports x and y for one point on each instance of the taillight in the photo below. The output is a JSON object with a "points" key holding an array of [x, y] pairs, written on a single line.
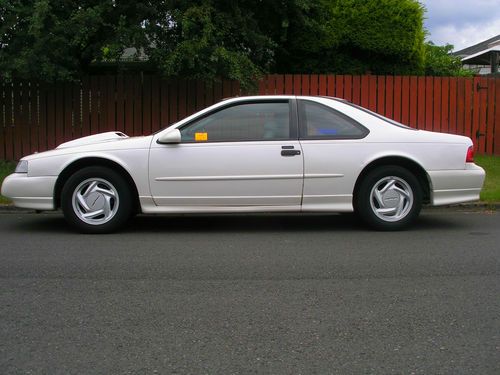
{"points": [[470, 155]]}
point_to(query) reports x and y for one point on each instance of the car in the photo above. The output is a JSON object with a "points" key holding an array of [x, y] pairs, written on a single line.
{"points": [[253, 154]]}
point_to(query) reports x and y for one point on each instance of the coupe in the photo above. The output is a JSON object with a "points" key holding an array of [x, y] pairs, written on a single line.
{"points": [[253, 154]]}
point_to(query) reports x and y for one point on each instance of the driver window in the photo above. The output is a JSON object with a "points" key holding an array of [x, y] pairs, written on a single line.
{"points": [[241, 122]]}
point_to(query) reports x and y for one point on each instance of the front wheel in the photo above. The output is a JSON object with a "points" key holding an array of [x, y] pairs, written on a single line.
{"points": [[96, 200], [389, 198]]}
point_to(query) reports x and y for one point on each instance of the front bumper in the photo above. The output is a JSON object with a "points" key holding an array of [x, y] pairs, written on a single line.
{"points": [[456, 186], [36, 193]]}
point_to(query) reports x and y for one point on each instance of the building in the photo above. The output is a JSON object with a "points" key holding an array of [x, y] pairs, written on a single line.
{"points": [[483, 57]]}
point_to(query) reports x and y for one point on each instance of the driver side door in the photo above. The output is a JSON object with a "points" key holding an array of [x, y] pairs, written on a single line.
{"points": [[244, 154]]}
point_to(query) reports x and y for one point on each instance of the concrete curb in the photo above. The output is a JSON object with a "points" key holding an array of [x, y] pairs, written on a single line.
{"points": [[10, 208]]}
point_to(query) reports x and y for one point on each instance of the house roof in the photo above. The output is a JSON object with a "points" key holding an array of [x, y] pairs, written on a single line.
{"points": [[484, 45], [482, 57]]}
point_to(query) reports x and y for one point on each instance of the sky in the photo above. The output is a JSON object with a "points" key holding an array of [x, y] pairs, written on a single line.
{"points": [[462, 23]]}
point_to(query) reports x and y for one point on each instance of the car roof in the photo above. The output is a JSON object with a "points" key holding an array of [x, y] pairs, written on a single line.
{"points": [[281, 97]]}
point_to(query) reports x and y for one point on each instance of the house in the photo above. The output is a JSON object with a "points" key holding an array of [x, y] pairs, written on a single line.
{"points": [[483, 57]]}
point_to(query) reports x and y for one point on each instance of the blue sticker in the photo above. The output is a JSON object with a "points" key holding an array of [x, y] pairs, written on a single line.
{"points": [[327, 131]]}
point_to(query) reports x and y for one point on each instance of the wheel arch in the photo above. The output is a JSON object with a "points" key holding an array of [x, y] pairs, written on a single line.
{"points": [[78, 164], [401, 161]]}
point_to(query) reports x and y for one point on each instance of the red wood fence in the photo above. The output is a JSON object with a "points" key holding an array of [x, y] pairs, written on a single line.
{"points": [[37, 117]]}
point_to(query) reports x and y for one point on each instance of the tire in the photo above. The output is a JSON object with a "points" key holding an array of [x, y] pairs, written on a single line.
{"points": [[96, 200], [389, 198]]}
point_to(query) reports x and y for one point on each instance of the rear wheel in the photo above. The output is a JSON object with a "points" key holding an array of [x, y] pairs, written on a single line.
{"points": [[96, 200], [389, 198]]}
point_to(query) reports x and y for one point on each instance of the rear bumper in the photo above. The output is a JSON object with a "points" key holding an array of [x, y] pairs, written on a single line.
{"points": [[456, 186], [36, 193]]}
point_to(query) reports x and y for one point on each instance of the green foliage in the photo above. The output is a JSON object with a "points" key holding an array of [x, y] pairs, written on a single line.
{"points": [[440, 62], [207, 39], [491, 188], [57, 40], [62, 39], [6, 168], [355, 36]]}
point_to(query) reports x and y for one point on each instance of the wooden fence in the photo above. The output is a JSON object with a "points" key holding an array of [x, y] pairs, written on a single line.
{"points": [[38, 117]]}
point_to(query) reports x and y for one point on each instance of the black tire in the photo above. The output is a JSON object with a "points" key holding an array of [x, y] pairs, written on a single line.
{"points": [[100, 189], [403, 196]]}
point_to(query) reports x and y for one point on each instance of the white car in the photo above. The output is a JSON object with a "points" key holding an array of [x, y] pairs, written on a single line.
{"points": [[253, 154]]}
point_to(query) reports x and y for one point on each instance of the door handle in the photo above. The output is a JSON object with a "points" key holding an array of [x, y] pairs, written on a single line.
{"points": [[290, 152]]}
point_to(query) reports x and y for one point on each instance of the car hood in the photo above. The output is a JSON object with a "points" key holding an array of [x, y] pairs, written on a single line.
{"points": [[97, 144], [93, 139]]}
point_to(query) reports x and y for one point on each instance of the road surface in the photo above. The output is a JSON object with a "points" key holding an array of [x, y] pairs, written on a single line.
{"points": [[270, 294]]}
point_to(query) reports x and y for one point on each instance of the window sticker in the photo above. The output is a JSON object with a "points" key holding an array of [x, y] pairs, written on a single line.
{"points": [[200, 137], [325, 131]]}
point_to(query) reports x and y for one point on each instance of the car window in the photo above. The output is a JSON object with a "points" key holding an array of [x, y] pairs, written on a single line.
{"points": [[377, 115], [241, 122], [319, 121]]}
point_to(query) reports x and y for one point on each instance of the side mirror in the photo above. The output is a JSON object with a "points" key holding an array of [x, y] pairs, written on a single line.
{"points": [[169, 137]]}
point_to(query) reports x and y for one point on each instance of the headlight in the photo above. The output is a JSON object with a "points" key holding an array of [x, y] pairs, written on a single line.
{"points": [[22, 167]]}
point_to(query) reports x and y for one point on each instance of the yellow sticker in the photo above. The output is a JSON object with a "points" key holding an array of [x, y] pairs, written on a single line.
{"points": [[199, 137]]}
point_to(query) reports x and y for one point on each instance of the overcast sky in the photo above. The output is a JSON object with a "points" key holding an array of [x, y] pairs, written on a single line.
{"points": [[461, 22]]}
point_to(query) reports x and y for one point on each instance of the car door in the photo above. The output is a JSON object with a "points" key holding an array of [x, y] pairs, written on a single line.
{"points": [[333, 148], [243, 154]]}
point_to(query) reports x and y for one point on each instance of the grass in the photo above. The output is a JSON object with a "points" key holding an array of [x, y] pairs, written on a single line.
{"points": [[6, 168], [490, 193], [491, 189]]}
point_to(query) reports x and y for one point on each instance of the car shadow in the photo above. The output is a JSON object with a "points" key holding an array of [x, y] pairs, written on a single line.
{"points": [[433, 222], [245, 223], [226, 223], [223, 223], [35, 223], [306, 222]]}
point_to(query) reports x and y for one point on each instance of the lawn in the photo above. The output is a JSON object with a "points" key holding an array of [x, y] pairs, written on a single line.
{"points": [[490, 193], [491, 189], [6, 168]]}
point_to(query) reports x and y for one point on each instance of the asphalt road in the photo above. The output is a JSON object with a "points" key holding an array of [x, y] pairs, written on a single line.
{"points": [[266, 294]]}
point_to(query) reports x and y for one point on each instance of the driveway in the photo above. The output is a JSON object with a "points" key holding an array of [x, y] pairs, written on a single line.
{"points": [[251, 294]]}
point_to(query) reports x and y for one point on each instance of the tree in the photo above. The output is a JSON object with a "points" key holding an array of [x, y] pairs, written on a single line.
{"points": [[58, 40], [354, 36], [207, 39], [440, 62], [62, 39]]}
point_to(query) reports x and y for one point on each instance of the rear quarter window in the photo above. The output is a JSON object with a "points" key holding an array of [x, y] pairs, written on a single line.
{"points": [[321, 122]]}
